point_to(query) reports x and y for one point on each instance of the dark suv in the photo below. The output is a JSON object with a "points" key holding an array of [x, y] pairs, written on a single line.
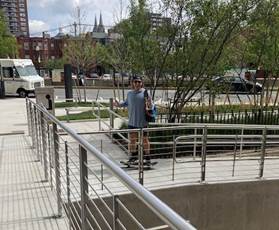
{"points": [[236, 84]]}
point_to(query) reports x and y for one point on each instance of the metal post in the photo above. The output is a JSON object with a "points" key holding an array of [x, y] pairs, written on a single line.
{"points": [[140, 155], [263, 153], [195, 144], [99, 115], [173, 156], [44, 140], [32, 125], [115, 213], [203, 163], [36, 133], [234, 154], [57, 169], [28, 116], [50, 154], [111, 115], [68, 183], [102, 169], [67, 115], [241, 142], [40, 136], [83, 185]]}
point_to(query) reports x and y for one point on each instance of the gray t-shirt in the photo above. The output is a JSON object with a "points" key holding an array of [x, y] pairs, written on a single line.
{"points": [[136, 110]]}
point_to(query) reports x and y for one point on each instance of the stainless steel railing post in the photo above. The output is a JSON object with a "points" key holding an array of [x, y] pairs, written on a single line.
{"points": [[140, 155], [115, 213], [32, 125], [36, 133], [50, 153], [68, 183], [234, 154], [57, 169], [203, 157], [102, 169], [263, 148], [44, 144], [173, 156], [28, 116], [39, 136], [111, 115], [99, 115], [241, 142], [83, 185]]}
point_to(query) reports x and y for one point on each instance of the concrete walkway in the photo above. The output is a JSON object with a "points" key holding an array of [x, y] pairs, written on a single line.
{"points": [[26, 200]]}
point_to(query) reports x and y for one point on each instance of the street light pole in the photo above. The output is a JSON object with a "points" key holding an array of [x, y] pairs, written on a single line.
{"points": [[2, 86], [38, 57]]}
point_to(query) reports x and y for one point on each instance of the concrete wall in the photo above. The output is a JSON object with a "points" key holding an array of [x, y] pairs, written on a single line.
{"points": [[229, 206], [242, 206]]}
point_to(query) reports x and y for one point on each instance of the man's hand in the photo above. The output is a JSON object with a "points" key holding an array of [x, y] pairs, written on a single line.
{"points": [[116, 103], [149, 103]]}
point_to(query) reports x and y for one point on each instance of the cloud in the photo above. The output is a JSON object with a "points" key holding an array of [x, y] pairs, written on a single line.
{"points": [[36, 26], [57, 13]]}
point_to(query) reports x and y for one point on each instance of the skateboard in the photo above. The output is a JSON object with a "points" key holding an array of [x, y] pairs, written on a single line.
{"points": [[135, 165]]}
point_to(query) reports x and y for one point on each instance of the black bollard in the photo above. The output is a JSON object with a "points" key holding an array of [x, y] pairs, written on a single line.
{"points": [[2, 89], [68, 82]]}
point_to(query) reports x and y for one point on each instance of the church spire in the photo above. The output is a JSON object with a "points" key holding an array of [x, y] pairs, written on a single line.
{"points": [[95, 28], [101, 27]]}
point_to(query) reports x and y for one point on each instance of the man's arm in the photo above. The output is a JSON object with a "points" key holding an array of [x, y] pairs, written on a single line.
{"points": [[120, 104]]}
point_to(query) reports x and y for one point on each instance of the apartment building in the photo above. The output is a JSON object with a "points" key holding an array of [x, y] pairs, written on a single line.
{"points": [[17, 16]]}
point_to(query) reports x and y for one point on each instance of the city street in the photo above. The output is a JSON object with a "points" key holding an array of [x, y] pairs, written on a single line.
{"points": [[91, 94]]}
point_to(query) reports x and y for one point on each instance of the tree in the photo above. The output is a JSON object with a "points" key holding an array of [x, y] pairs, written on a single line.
{"points": [[258, 44], [205, 31], [80, 53], [55, 64], [8, 44]]}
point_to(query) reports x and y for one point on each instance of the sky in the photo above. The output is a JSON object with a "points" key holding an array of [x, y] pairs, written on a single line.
{"points": [[49, 15]]}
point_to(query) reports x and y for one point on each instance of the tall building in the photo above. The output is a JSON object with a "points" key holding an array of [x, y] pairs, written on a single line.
{"points": [[158, 20], [17, 16]]}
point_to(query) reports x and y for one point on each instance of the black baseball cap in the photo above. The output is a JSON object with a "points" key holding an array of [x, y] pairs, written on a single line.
{"points": [[137, 78]]}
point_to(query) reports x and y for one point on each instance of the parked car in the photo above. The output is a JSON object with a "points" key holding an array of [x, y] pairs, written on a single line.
{"points": [[93, 75], [236, 84]]}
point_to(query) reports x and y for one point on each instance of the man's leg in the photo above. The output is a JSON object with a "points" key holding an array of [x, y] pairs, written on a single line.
{"points": [[133, 136]]}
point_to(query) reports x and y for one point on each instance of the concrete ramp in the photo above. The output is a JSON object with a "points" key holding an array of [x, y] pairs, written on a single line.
{"points": [[26, 200]]}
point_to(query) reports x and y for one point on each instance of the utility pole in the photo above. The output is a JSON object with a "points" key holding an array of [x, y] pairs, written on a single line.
{"points": [[79, 23], [75, 28]]}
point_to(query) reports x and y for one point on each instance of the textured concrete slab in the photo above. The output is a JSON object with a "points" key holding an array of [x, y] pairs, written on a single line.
{"points": [[26, 200]]}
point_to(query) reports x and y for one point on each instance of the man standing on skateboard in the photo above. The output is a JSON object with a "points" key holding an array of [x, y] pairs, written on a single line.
{"points": [[137, 103]]}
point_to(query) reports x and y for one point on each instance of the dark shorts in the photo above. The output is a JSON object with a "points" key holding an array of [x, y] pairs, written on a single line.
{"points": [[133, 127]]}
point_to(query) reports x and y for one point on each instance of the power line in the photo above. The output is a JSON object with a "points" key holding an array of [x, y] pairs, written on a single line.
{"points": [[68, 26]]}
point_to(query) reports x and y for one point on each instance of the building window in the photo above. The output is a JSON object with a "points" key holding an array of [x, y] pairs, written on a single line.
{"points": [[26, 45]]}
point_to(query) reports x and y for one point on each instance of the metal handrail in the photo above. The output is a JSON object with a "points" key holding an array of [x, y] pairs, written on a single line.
{"points": [[163, 211]]}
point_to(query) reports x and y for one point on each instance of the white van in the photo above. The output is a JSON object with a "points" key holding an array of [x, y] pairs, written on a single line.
{"points": [[19, 76]]}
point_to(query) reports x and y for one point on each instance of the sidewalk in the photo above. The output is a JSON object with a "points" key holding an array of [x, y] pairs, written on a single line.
{"points": [[26, 199], [13, 116]]}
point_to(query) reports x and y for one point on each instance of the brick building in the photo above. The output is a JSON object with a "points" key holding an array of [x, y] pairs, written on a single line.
{"points": [[42, 49], [16, 15]]}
